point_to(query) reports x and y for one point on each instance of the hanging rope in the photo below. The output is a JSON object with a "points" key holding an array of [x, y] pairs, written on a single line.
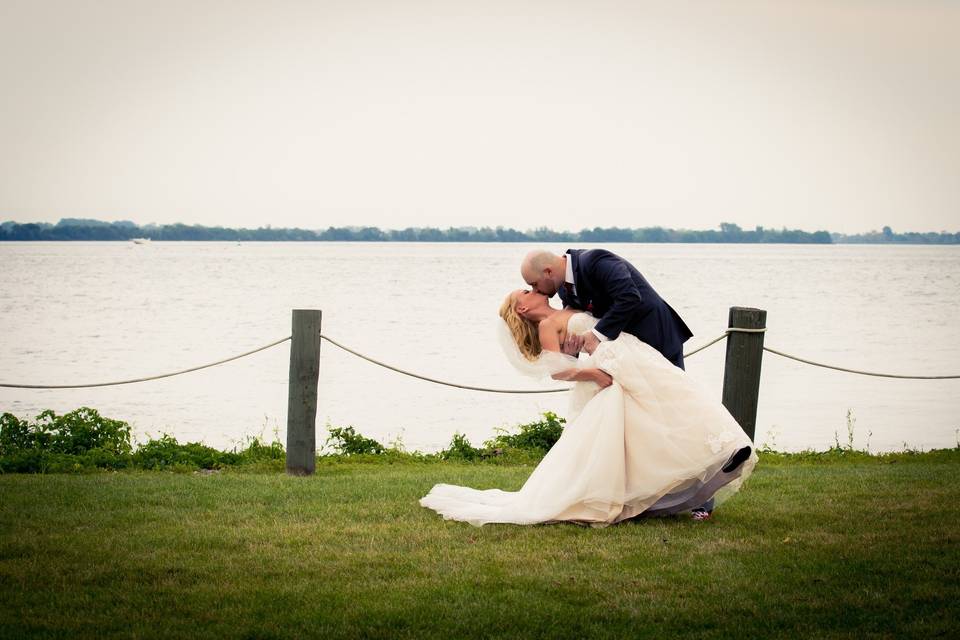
{"points": [[434, 380], [857, 371], [489, 390], [162, 375], [709, 344], [457, 385]]}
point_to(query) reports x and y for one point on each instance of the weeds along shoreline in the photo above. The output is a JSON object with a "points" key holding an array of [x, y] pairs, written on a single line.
{"points": [[83, 441]]}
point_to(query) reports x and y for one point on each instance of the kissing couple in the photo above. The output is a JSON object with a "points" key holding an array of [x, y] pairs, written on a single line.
{"points": [[642, 438]]}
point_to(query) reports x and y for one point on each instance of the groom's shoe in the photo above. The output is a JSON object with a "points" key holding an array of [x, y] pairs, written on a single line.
{"points": [[737, 459], [704, 511]]}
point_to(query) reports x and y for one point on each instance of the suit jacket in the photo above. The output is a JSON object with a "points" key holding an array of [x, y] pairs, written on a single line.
{"points": [[623, 300]]}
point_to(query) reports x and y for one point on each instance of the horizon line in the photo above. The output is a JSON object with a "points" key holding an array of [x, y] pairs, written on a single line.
{"points": [[120, 222]]}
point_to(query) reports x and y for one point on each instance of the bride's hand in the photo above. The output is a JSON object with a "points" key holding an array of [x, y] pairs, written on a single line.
{"points": [[590, 343], [572, 344]]}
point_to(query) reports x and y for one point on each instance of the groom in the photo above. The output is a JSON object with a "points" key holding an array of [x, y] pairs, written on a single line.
{"points": [[613, 290]]}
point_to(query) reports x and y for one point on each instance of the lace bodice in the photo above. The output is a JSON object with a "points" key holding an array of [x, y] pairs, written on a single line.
{"points": [[580, 322], [605, 358]]}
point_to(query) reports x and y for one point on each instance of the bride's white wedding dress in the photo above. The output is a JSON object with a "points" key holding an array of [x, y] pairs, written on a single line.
{"points": [[652, 443]]}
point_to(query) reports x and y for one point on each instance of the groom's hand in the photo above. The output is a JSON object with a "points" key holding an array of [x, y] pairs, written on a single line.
{"points": [[603, 378], [572, 344]]}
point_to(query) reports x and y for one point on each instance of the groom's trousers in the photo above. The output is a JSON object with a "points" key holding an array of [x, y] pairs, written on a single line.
{"points": [[677, 361]]}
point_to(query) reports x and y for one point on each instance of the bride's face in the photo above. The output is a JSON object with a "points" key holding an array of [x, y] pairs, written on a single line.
{"points": [[526, 300]]}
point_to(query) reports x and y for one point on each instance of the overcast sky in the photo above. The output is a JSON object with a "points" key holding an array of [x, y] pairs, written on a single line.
{"points": [[842, 115]]}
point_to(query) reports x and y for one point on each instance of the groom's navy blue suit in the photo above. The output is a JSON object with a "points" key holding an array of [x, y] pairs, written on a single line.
{"points": [[615, 292]]}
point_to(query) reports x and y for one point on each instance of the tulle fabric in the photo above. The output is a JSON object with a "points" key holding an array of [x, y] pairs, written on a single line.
{"points": [[652, 443]]}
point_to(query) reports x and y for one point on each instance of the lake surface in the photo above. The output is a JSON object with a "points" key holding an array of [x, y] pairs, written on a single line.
{"points": [[91, 312]]}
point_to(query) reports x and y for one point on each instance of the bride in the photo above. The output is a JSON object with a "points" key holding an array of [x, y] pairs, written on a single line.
{"points": [[642, 438]]}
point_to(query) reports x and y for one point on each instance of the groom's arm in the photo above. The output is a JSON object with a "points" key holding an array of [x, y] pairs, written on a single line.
{"points": [[587, 374], [611, 274]]}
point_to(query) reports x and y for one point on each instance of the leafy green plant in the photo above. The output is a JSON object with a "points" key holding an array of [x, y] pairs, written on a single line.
{"points": [[83, 440], [16, 435], [167, 453], [461, 449], [533, 436], [528, 445], [76, 432], [79, 440], [346, 441], [259, 451]]}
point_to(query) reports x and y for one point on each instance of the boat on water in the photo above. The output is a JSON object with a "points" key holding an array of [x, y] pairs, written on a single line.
{"points": [[140, 240]]}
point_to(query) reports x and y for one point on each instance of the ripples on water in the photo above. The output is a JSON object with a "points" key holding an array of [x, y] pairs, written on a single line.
{"points": [[77, 312]]}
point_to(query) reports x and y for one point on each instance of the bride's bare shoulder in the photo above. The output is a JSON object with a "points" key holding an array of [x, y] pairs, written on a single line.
{"points": [[555, 322], [552, 328], [547, 325], [549, 333]]}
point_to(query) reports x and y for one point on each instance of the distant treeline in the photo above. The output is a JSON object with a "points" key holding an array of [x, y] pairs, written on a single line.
{"points": [[84, 229]]}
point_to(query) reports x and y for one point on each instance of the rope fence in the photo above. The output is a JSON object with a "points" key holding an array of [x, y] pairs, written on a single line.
{"points": [[144, 379], [489, 390], [465, 386], [434, 380], [857, 371]]}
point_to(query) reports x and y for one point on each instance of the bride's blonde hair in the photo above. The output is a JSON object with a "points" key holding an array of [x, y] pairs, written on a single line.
{"points": [[525, 332]]}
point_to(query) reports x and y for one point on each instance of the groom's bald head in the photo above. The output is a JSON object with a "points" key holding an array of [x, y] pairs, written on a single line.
{"points": [[543, 271]]}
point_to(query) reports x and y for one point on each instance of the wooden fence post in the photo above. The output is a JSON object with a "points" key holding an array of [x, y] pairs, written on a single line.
{"points": [[741, 373], [302, 398]]}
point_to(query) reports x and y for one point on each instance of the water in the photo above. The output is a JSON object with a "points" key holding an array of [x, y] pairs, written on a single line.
{"points": [[89, 312]]}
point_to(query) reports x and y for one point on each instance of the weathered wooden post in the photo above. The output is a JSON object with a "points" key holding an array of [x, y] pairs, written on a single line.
{"points": [[302, 404], [741, 373]]}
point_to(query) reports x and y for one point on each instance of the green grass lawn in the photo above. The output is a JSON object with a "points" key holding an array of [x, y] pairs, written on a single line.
{"points": [[845, 548]]}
